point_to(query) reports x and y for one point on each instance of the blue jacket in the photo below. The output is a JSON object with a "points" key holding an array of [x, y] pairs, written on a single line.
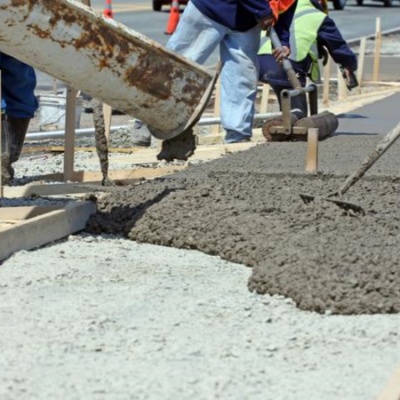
{"points": [[238, 15], [330, 37]]}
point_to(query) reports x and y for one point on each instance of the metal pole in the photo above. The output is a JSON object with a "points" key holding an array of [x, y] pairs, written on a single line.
{"points": [[84, 132]]}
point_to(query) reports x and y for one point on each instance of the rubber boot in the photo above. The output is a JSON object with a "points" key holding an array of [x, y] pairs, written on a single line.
{"points": [[6, 170], [17, 128]]}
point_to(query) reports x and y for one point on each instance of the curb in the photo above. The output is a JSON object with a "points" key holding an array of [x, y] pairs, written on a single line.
{"points": [[357, 41]]}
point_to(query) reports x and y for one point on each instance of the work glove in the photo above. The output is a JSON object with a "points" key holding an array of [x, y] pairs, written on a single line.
{"points": [[324, 55], [280, 54], [349, 78]]}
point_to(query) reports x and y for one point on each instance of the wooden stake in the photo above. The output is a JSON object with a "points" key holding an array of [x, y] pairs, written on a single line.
{"points": [[312, 150], [392, 390], [377, 52], [342, 90], [70, 121], [217, 105], [361, 58], [70, 133], [264, 99], [325, 88], [54, 82], [107, 112]]}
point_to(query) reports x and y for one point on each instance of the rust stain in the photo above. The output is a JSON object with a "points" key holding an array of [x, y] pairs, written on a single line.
{"points": [[151, 74], [154, 72]]}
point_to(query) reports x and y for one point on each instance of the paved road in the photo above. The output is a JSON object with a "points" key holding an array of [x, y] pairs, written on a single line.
{"points": [[354, 21], [138, 15]]}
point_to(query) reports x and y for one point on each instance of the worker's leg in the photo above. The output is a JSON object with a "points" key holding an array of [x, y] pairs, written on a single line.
{"points": [[239, 83], [196, 36], [18, 85]]}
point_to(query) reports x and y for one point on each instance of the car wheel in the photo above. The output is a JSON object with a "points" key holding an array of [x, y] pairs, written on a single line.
{"points": [[388, 3], [360, 2], [339, 4], [157, 5]]}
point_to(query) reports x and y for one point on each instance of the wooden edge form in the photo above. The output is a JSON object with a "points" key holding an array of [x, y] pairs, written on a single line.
{"points": [[85, 181], [392, 389], [46, 228], [25, 212]]}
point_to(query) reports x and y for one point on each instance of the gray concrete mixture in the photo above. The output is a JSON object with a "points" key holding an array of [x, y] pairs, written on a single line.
{"points": [[103, 317], [324, 258]]}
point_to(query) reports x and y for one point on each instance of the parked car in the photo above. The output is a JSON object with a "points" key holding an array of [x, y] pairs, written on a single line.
{"points": [[339, 4], [157, 4], [386, 3]]}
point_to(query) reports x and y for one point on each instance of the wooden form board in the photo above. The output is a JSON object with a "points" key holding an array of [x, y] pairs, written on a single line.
{"points": [[44, 228], [88, 181], [392, 389]]}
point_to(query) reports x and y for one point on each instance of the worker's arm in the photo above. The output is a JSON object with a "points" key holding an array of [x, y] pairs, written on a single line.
{"points": [[282, 26], [330, 37]]}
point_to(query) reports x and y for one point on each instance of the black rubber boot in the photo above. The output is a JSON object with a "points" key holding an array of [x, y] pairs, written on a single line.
{"points": [[17, 128], [7, 172], [180, 147]]}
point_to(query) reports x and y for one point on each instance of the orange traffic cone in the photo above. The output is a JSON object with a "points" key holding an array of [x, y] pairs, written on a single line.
{"points": [[173, 18], [108, 10]]}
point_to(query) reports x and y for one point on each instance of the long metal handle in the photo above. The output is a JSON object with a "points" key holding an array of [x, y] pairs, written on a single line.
{"points": [[287, 65], [380, 149]]}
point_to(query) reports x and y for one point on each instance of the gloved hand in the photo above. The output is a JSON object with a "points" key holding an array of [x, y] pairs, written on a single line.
{"points": [[323, 53], [281, 53], [349, 78]]}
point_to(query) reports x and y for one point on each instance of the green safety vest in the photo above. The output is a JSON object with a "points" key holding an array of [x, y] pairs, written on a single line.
{"points": [[303, 36]]}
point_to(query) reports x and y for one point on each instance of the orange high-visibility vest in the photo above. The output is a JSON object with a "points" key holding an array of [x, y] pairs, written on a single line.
{"points": [[280, 6]]}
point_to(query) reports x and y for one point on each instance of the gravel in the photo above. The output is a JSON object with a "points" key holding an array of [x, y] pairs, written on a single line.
{"points": [[107, 318]]}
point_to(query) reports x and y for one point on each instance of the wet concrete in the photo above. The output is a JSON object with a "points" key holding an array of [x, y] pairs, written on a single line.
{"points": [[246, 208]]}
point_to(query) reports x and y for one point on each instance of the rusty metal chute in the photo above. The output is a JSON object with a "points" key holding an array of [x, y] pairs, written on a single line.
{"points": [[105, 59]]}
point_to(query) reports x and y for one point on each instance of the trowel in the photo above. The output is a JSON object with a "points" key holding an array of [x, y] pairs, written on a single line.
{"points": [[369, 161]]}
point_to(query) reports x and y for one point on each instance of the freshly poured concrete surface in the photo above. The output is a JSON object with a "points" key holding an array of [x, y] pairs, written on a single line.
{"points": [[109, 318]]}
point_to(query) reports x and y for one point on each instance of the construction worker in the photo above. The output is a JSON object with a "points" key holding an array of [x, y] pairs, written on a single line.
{"points": [[19, 103], [234, 26], [313, 34]]}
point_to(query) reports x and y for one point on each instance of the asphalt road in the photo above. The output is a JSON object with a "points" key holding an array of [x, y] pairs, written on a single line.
{"points": [[354, 21]]}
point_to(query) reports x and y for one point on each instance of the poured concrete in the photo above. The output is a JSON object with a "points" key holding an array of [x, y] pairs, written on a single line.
{"points": [[246, 208]]}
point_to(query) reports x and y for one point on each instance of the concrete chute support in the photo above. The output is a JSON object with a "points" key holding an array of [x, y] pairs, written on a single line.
{"points": [[105, 59]]}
